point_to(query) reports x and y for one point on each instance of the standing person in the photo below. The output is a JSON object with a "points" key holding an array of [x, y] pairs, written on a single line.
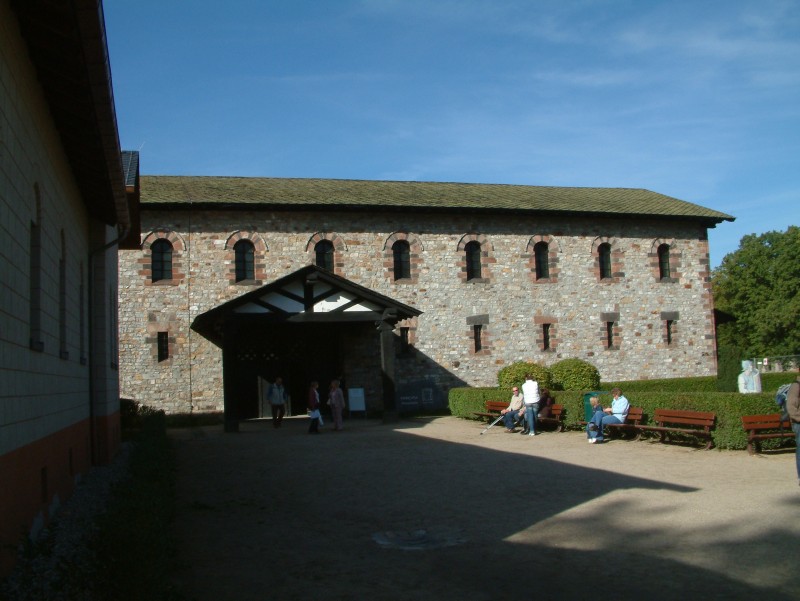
{"points": [[793, 409], [276, 394], [313, 408], [530, 394], [336, 401], [513, 413], [615, 414]]}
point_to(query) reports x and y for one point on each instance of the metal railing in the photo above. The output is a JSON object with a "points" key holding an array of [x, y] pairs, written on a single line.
{"points": [[776, 364]]}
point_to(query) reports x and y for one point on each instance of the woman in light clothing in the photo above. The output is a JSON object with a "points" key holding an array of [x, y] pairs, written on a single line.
{"points": [[336, 401]]}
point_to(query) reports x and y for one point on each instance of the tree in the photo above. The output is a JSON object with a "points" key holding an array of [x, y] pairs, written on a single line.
{"points": [[759, 284]]}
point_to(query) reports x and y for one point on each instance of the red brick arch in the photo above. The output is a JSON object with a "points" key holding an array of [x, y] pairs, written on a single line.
{"points": [[617, 256], [553, 251], [339, 247], [487, 258], [178, 247], [260, 264], [674, 260], [415, 248]]}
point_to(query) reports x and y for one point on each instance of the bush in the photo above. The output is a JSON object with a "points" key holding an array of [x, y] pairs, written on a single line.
{"points": [[729, 366], [463, 401], [514, 375], [574, 374], [770, 382]]}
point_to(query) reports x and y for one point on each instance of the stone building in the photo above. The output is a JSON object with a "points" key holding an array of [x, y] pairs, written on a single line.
{"points": [[64, 206], [467, 278]]}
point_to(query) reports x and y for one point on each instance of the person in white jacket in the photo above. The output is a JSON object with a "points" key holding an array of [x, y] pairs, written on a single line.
{"points": [[530, 394]]}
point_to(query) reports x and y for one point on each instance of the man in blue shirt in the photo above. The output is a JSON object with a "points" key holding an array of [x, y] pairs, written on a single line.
{"points": [[615, 414]]}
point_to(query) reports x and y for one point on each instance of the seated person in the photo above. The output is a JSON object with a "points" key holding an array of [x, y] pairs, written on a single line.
{"points": [[596, 408], [545, 403], [512, 414], [615, 414]]}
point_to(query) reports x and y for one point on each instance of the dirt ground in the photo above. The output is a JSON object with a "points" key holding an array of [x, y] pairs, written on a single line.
{"points": [[432, 509]]}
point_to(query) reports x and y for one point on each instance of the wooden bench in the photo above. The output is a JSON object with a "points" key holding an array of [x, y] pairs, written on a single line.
{"points": [[556, 418], [493, 409], [676, 421], [632, 422], [763, 427], [631, 426]]}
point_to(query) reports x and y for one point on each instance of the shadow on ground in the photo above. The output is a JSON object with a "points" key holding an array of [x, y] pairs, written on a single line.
{"points": [[280, 514]]}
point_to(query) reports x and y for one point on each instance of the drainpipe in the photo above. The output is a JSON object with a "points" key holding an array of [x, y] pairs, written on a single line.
{"points": [[90, 321]]}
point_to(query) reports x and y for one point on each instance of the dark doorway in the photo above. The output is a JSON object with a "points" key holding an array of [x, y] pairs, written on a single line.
{"points": [[298, 353]]}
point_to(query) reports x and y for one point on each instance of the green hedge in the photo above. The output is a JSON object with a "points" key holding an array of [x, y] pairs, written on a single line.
{"points": [[463, 401], [699, 384], [770, 382], [729, 407]]}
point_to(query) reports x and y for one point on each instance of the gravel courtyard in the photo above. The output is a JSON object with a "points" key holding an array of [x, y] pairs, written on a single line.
{"points": [[432, 509]]}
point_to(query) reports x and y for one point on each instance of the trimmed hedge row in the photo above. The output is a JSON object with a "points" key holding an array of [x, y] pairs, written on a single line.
{"points": [[769, 382], [729, 407]]}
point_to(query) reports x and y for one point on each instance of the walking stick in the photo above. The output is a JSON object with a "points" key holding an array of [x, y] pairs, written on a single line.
{"points": [[493, 423]]}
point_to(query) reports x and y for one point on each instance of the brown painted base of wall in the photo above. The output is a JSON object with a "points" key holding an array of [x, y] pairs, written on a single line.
{"points": [[37, 478]]}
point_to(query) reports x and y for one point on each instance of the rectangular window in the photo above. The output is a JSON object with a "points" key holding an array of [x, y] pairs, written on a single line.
{"points": [[34, 291], [405, 347], [545, 336], [163, 346], [82, 318], [62, 307], [669, 325], [476, 336], [609, 334]]}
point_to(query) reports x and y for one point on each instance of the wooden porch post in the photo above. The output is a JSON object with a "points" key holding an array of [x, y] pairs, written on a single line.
{"points": [[386, 329], [231, 416]]}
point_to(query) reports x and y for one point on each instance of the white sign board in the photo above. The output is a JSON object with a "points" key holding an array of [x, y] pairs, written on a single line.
{"points": [[355, 399]]}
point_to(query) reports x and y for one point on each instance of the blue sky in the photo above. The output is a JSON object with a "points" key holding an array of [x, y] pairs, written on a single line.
{"points": [[694, 99]]}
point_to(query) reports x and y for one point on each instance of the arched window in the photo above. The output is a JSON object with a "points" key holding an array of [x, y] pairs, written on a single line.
{"points": [[663, 262], [473, 256], [161, 260], [402, 259], [323, 251], [542, 257], [245, 253], [604, 256]]}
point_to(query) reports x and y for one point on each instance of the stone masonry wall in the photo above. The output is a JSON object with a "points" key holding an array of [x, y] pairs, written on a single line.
{"points": [[508, 304]]}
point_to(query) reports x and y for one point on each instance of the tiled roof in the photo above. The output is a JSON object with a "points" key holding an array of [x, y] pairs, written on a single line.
{"points": [[365, 194]]}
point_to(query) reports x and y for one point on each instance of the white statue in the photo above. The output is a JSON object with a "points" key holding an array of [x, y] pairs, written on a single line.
{"points": [[749, 379]]}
